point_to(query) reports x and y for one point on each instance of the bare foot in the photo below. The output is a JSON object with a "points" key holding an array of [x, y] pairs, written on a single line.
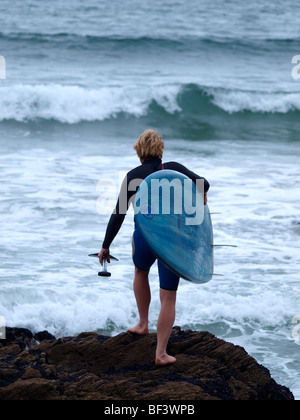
{"points": [[139, 329], [164, 360]]}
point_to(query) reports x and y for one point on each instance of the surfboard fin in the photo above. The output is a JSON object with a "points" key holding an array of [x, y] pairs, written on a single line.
{"points": [[111, 257], [232, 246]]}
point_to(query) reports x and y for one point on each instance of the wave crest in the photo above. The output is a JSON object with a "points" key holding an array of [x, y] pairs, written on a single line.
{"points": [[74, 104]]}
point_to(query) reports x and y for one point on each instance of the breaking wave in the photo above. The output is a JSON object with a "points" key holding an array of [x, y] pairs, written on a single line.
{"points": [[74, 104]]}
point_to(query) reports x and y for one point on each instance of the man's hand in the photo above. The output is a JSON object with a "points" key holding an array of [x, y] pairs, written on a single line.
{"points": [[104, 253]]}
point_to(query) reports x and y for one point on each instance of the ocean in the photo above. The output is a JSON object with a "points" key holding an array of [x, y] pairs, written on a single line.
{"points": [[216, 79]]}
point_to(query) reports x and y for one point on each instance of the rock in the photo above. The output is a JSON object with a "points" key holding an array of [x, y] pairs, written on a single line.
{"points": [[24, 338], [44, 335], [20, 336], [95, 367]]}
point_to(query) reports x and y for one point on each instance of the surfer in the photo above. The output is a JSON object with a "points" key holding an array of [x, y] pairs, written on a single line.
{"points": [[149, 148]]}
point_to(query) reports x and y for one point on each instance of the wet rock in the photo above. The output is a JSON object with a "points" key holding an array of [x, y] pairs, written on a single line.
{"points": [[95, 367], [24, 338]]}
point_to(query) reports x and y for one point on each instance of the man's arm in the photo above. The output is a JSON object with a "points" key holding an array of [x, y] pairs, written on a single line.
{"points": [[113, 227], [115, 222]]}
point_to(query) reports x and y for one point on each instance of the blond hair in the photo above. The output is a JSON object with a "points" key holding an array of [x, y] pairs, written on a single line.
{"points": [[149, 144]]}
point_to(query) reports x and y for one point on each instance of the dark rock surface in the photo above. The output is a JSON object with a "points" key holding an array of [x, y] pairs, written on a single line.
{"points": [[91, 367]]}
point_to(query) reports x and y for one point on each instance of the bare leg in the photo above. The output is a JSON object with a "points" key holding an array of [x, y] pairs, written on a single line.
{"points": [[164, 326], [143, 298]]}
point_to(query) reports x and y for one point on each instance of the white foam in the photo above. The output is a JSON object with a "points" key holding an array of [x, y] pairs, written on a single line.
{"points": [[72, 104], [48, 219], [238, 101]]}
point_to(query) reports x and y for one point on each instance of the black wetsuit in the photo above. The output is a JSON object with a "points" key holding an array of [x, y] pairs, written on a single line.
{"points": [[129, 189]]}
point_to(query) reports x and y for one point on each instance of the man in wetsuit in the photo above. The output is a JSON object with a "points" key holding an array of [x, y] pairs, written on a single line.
{"points": [[149, 148]]}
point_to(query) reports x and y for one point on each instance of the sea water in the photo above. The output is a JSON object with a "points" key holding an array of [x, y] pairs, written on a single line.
{"points": [[216, 79]]}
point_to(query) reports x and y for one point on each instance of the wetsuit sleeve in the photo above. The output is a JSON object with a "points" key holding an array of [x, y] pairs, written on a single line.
{"points": [[118, 216], [185, 171], [113, 227]]}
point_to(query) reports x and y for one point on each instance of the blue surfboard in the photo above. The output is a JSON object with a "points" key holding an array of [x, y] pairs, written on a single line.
{"points": [[173, 220]]}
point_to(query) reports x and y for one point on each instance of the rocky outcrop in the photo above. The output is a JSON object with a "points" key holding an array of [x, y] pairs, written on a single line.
{"points": [[91, 367]]}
